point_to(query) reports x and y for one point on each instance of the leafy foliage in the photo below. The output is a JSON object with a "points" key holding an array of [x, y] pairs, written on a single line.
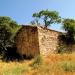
{"points": [[48, 17], [69, 26], [8, 28]]}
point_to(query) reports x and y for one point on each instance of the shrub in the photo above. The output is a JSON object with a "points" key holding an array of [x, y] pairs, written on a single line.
{"points": [[37, 61], [68, 66]]}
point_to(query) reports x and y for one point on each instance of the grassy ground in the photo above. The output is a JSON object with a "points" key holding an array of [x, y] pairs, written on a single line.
{"points": [[54, 64]]}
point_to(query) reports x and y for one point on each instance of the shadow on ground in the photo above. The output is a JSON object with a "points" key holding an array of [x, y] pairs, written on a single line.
{"points": [[11, 55]]}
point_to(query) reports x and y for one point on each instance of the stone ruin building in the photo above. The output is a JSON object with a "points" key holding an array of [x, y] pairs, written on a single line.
{"points": [[34, 40]]}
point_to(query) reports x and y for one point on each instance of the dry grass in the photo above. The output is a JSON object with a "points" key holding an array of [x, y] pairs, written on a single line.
{"points": [[14, 68], [54, 64]]}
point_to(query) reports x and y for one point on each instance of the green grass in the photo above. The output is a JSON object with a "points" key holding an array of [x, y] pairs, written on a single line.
{"points": [[68, 66], [15, 71]]}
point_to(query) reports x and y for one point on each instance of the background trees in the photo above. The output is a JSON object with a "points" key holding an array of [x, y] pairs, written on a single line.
{"points": [[52, 17], [8, 28], [69, 26], [48, 17]]}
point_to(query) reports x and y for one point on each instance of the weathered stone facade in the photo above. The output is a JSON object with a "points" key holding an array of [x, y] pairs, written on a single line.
{"points": [[34, 40], [48, 40], [27, 41]]}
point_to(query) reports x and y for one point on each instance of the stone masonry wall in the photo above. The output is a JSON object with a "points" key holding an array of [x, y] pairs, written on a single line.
{"points": [[48, 40], [27, 41], [34, 40]]}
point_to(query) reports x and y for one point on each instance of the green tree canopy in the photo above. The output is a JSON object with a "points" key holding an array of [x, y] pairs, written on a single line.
{"points": [[48, 17], [69, 26], [8, 28]]}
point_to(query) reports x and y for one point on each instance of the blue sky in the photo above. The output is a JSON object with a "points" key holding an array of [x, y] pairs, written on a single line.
{"points": [[22, 10]]}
